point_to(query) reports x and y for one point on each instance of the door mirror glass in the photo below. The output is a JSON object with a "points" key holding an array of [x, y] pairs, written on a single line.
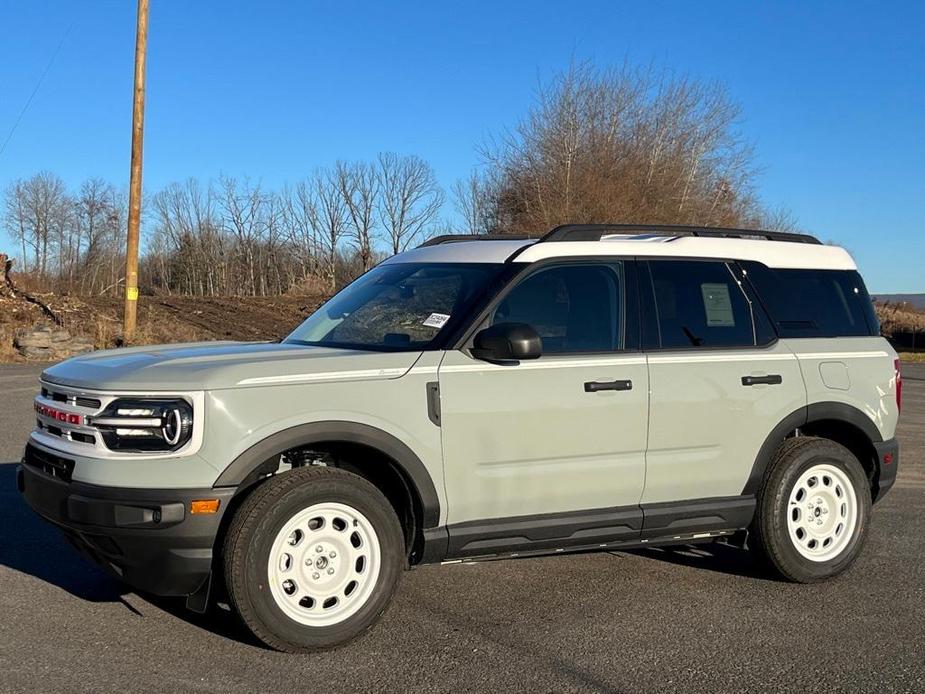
{"points": [[507, 342]]}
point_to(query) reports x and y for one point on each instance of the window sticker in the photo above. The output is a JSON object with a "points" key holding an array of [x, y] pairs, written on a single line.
{"points": [[718, 305], [436, 320]]}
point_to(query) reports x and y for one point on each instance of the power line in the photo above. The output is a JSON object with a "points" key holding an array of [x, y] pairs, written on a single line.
{"points": [[35, 91]]}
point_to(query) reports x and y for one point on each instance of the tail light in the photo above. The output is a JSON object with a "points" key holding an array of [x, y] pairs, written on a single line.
{"points": [[899, 385]]}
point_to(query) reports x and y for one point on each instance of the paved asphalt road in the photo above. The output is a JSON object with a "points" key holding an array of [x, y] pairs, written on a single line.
{"points": [[688, 620]]}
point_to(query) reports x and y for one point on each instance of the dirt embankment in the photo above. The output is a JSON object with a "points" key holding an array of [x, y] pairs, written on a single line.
{"points": [[169, 319], [160, 319]]}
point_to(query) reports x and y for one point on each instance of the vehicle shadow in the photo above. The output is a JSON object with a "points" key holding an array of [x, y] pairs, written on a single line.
{"points": [[717, 556], [31, 546], [217, 620], [34, 547]]}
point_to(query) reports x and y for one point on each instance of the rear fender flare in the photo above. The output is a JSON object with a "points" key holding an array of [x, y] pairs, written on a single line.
{"points": [[816, 412]]}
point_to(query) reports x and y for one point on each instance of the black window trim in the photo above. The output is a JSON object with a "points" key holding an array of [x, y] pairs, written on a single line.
{"points": [[650, 307], [631, 303]]}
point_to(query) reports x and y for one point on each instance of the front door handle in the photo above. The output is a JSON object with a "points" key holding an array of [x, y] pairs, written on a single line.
{"points": [[595, 386], [771, 380]]}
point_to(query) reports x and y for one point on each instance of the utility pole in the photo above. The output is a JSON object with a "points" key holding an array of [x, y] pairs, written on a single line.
{"points": [[134, 192]]}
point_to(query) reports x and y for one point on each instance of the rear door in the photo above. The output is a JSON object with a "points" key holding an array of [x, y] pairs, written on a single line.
{"points": [[562, 434], [719, 380]]}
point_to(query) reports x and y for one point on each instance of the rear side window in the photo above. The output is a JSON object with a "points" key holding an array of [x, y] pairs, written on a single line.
{"points": [[699, 304], [814, 303]]}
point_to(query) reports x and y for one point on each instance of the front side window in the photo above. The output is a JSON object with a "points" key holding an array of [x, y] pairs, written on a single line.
{"points": [[700, 304], [397, 306], [575, 308]]}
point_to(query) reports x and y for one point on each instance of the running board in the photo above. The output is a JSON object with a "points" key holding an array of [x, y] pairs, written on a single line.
{"points": [[684, 539]]}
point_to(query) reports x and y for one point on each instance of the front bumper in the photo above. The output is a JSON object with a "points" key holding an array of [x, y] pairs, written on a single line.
{"points": [[887, 467], [146, 537]]}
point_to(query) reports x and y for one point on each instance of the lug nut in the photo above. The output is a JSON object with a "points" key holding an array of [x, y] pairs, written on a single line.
{"points": [[319, 548], [330, 571], [332, 554], [308, 562], [316, 575]]}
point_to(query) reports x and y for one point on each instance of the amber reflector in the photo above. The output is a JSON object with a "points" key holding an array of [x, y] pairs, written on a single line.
{"points": [[204, 506]]}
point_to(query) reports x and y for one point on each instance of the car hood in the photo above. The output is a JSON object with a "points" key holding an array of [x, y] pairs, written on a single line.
{"points": [[215, 365]]}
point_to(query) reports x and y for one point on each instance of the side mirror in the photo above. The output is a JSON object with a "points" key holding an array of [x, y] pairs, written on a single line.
{"points": [[507, 342]]}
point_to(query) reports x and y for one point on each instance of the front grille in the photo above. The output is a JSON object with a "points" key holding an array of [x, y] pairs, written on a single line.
{"points": [[78, 436], [79, 400], [49, 463]]}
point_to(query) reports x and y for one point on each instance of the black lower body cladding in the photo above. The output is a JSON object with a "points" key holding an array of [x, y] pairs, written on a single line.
{"points": [[887, 467], [146, 537]]}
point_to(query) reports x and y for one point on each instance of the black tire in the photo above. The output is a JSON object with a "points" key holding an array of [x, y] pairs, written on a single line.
{"points": [[769, 535], [250, 538]]}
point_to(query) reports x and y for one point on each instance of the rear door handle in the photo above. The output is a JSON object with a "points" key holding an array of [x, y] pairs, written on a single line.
{"points": [[595, 386], [770, 380]]}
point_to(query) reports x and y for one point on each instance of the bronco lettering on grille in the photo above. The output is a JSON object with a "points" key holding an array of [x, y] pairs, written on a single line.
{"points": [[58, 415]]}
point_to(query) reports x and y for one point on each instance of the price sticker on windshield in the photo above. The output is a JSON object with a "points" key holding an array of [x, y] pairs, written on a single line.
{"points": [[436, 320]]}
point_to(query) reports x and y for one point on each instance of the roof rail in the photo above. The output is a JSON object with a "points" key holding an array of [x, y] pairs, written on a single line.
{"points": [[594, 232], [456, 238]]}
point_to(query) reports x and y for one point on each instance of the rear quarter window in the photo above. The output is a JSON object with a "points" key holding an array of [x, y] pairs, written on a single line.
{"points": [[814, 303]]}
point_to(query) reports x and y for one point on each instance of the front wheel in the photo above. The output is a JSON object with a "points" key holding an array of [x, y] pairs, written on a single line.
{"points": [[813, 510], [312, 558]]}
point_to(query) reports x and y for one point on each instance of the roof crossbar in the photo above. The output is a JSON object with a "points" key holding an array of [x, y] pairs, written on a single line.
{"points": [[594, 232]]}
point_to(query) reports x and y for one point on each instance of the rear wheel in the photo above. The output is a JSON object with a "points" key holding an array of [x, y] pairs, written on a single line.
{"points": [[813, 510], [312, 558]]}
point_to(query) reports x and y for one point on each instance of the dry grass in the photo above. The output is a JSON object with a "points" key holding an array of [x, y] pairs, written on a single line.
{"points": [[912, 357], [897, 318]]}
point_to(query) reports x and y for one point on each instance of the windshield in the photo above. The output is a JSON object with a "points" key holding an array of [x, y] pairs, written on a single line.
{"points": [[397, 306]]}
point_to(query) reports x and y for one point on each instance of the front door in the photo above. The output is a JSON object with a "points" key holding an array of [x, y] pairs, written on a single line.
{"points": [[559, 435]]}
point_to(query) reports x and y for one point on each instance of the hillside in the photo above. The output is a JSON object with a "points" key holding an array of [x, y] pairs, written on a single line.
{"points": [[160, 319]]}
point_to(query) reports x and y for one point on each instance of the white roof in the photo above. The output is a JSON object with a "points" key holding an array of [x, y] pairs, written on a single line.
{"points": [[777, 254]]}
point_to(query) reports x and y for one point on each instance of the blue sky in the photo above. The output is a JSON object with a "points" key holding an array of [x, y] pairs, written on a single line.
{"points": [[833, 94]]}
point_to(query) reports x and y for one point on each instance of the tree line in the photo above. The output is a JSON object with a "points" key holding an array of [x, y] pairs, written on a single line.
{"points": [[612, 145]]}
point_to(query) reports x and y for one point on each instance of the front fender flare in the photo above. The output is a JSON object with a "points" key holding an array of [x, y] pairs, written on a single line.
{"points": [[327, 431]]}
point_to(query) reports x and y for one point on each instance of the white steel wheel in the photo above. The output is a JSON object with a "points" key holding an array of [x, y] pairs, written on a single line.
{"points": [[822, 513], [324, 564]]}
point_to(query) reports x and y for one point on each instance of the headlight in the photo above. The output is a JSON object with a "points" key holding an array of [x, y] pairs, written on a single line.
{"points": [[142, 425]]}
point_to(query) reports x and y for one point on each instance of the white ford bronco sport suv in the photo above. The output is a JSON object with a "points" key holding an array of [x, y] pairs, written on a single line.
{"points": [[603, 387]]}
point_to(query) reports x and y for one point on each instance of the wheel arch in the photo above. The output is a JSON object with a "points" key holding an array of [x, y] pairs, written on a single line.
{"points": [[837, 421], [262, 459]]}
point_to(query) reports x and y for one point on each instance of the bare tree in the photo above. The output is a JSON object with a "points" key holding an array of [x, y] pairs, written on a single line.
{"points": [[623, 145], [190, 251], [16, 218], [474, 199], [359, 187], [330, 212], [38, 213], [100, 217], [410, 198], [299, 220]]}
